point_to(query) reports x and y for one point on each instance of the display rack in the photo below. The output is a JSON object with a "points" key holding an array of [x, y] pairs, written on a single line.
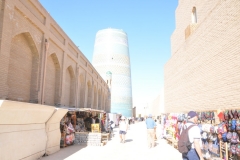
{"points": [[224, 153]]}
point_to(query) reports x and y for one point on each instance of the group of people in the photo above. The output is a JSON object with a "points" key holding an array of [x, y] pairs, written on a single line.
{"points": [[193, 136], [191, 128]]}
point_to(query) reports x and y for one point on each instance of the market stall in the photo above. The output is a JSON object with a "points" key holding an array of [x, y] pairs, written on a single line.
{"points": [[83, 126], [220, 131]]}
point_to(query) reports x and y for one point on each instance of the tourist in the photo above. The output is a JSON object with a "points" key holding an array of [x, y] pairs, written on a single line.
{"points": [[88, 122], [151, 125], [93, 120], [96, 119], [194, 135], [123, 126]]}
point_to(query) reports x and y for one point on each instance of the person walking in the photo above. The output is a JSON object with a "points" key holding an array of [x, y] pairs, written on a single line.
{"points": [[151, 125], [194, 135], [123, 126]]}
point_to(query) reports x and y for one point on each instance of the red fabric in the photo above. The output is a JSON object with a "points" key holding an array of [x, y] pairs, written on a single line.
{"points": [[221, 116]]}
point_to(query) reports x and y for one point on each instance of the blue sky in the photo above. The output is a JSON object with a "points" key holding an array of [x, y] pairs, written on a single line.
{"points": [[149, 25]]}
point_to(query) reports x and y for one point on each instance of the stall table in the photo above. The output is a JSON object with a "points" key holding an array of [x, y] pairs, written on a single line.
{"points": [[105, 136]]}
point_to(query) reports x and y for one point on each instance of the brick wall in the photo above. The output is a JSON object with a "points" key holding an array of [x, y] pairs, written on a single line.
{"points": [[51, 81], [39, 63], [203, 72], [20, 77]]}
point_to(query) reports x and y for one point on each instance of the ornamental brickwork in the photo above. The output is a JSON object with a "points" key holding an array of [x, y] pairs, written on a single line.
{"points": [[111, 54]]}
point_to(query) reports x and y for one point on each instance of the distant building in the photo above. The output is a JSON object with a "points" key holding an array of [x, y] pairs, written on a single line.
{"points": [[154, 106], [203, 71], [134, 112], [111, 55]]}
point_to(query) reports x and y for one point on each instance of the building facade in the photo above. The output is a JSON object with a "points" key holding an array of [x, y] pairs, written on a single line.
{"points": [[111, 54], [203, 71], [40, 64], [155, 106]]}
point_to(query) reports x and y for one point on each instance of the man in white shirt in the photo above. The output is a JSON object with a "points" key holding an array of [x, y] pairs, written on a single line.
{"points": [[194, 135]]}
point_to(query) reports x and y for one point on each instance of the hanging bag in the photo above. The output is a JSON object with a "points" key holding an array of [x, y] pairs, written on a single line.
{"points": [[226, 117], [238, 150], [233, 149], [235, 114], [230, 114], [233, 126], [238, 125], [207, 115], [229, 136], [234, 138]]}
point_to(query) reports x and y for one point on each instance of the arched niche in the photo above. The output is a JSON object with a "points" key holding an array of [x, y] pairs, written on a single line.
{"points": [[52, 81], [99, 99], [81, 91], [95, 97], [69, 87], [89, 93], [23, 69]]}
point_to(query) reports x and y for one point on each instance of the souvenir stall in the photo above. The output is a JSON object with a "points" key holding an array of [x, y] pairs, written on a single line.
{"points": [[84, 126], [96, 135], [208, 124], [228, 134], [172, 123], [220, 131], [68, 125], [73, 122]]}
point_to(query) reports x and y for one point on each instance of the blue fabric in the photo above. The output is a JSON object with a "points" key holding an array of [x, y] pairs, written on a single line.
{"points": [[191, 155], [122, 132], [150, 123]]}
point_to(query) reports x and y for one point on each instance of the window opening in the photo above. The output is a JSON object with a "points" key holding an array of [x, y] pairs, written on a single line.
{"points": [[194, 15]]}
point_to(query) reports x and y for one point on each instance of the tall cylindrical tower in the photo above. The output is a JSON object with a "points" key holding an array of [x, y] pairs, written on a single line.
{"points": [[111, 56]]}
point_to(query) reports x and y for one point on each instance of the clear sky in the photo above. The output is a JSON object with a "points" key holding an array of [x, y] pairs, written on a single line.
{"points": [[148, 24]]}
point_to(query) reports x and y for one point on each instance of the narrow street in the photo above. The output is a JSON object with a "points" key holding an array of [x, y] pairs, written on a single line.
{"points": [[135, 148]]}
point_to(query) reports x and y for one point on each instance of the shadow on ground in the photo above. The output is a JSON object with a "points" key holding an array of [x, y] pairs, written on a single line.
{"points": [[128, 140], [68, 151]]}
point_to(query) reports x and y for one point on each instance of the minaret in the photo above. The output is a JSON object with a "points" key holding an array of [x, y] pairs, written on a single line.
{"points": [[111, 59]]}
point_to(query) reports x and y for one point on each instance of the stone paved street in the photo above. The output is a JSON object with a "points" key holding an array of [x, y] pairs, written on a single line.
{"points": [[135, 148]]}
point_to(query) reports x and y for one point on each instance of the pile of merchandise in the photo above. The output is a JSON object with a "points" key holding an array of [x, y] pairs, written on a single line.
{"points": [[209, 132], [67, 126], [228, 132], [216, 127]]}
